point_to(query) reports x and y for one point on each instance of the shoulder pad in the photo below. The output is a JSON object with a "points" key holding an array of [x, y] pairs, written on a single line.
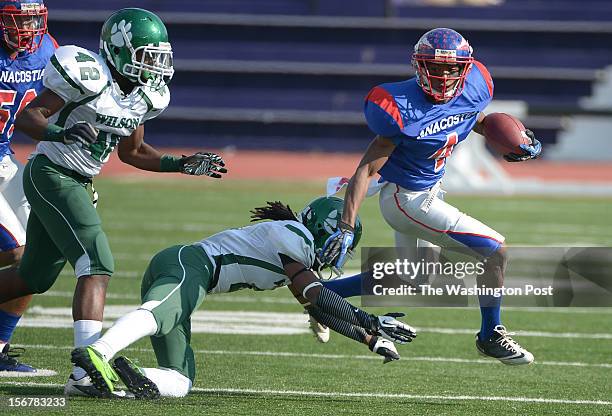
{"points": [[382, 113], [74, 73], [482, 81], [157, 101], [294, 240]]}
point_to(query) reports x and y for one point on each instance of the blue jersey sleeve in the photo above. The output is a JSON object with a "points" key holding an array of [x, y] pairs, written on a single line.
{"points": [[382, 113]]}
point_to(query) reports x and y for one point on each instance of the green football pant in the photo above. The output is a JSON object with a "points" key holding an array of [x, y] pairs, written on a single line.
{"points": [[173, 287], [63, 225]]}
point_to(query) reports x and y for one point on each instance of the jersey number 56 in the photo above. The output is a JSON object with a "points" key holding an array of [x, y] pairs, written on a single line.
{"points": [[7, 98]]}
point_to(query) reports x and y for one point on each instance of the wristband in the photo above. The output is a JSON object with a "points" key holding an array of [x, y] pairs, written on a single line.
{"points": [[169, 163], [345, 226], [54, 133]]}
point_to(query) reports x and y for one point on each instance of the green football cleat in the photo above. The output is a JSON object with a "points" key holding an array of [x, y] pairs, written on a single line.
{"points": [[135, 380], [99, 371]]}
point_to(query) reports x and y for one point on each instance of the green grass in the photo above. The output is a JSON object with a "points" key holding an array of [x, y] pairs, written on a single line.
{"points": [[143, 216]]}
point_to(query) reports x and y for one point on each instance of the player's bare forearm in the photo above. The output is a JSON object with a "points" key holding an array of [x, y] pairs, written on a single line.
{"points": [[479, 127], [135, 152], [32, 120], [373, 160]]}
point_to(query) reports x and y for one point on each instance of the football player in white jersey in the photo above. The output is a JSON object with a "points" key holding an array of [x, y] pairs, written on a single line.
{"points": [[281, 252], [92, 102]]}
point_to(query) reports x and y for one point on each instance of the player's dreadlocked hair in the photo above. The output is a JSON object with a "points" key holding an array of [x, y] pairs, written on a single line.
{"points": [[275, 211]]}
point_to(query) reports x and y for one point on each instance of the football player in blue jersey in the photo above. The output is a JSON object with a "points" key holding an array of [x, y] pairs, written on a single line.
{"points": [[25, 50], [418, 123]]}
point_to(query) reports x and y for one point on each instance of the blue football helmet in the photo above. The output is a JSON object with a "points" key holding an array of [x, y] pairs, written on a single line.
{"points": [[23, 24], [442, 59]]}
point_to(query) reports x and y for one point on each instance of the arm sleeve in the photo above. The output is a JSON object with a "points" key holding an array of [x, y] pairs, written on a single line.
{"points": [[382, 113], [338, 325]]}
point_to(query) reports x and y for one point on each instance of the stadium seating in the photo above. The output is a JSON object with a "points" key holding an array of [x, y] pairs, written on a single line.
{"points": [[291, 74]]}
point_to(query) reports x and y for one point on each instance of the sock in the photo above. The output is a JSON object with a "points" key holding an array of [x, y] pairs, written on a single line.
{"points": [[8, 323], [125, 331], [490, 315], [346, 286], [85, 332], [170, 383]]}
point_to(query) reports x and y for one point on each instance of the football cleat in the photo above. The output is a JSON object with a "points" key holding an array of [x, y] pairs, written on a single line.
{"points": [[84, 387], [320, 331], [102, 375], [135, 380], [504, 348], [8, 361]]}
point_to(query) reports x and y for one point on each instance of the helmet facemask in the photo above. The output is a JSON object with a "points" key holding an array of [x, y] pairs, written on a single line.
{"points": [[151, 65], [23, 30], [442, 78]]}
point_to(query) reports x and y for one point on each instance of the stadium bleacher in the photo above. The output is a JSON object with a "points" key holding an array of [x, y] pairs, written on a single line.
{"points": [[292, 74]]}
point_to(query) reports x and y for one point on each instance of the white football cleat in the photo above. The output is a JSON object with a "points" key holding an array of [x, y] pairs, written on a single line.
{"points": [[320, 331], [84, 387]]}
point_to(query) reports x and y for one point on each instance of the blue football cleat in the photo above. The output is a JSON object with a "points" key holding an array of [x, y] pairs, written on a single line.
{"points": [[504, 348], [8, 361]]}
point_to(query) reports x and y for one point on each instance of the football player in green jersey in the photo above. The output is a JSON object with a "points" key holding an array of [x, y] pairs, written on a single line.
{"points": [[265, 256], [92, 103]]}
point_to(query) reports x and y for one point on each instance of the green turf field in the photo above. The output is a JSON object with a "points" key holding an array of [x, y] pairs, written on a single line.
{"points": [[289, 373]]}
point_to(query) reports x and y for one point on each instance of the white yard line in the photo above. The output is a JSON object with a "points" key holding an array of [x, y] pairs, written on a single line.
{"points": [[254, 323], [357, 357], [40, 372], [365, 395]]}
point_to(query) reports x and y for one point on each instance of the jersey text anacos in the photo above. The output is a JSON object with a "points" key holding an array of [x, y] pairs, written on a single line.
{"points": [[445, 123], [21, 76]]}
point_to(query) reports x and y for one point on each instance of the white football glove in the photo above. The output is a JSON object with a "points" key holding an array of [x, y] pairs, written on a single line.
{"points": [[396, 331], [385, 348]]}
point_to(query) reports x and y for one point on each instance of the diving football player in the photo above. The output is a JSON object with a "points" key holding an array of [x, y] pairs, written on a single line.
{"points": [[264, 256]]}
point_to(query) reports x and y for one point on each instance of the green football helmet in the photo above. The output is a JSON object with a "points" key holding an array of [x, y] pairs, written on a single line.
{"points": [[135, 42], [321, 218]]}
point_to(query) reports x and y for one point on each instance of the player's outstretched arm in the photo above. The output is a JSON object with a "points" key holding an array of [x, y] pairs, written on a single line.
{"points": [[339, 315], [134, 151], [373, 160]]}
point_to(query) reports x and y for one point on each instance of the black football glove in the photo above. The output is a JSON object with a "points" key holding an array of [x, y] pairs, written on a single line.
{"points": [[530, 151], [209, 164], [385, 348], [81, 132]]}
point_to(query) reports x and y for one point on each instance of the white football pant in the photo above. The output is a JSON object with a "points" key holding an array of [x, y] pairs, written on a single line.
{"points": [[14, 207], [423, 215]]}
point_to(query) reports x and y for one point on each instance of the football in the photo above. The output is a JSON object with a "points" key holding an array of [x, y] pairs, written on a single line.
{"points": [[504, 133]]}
